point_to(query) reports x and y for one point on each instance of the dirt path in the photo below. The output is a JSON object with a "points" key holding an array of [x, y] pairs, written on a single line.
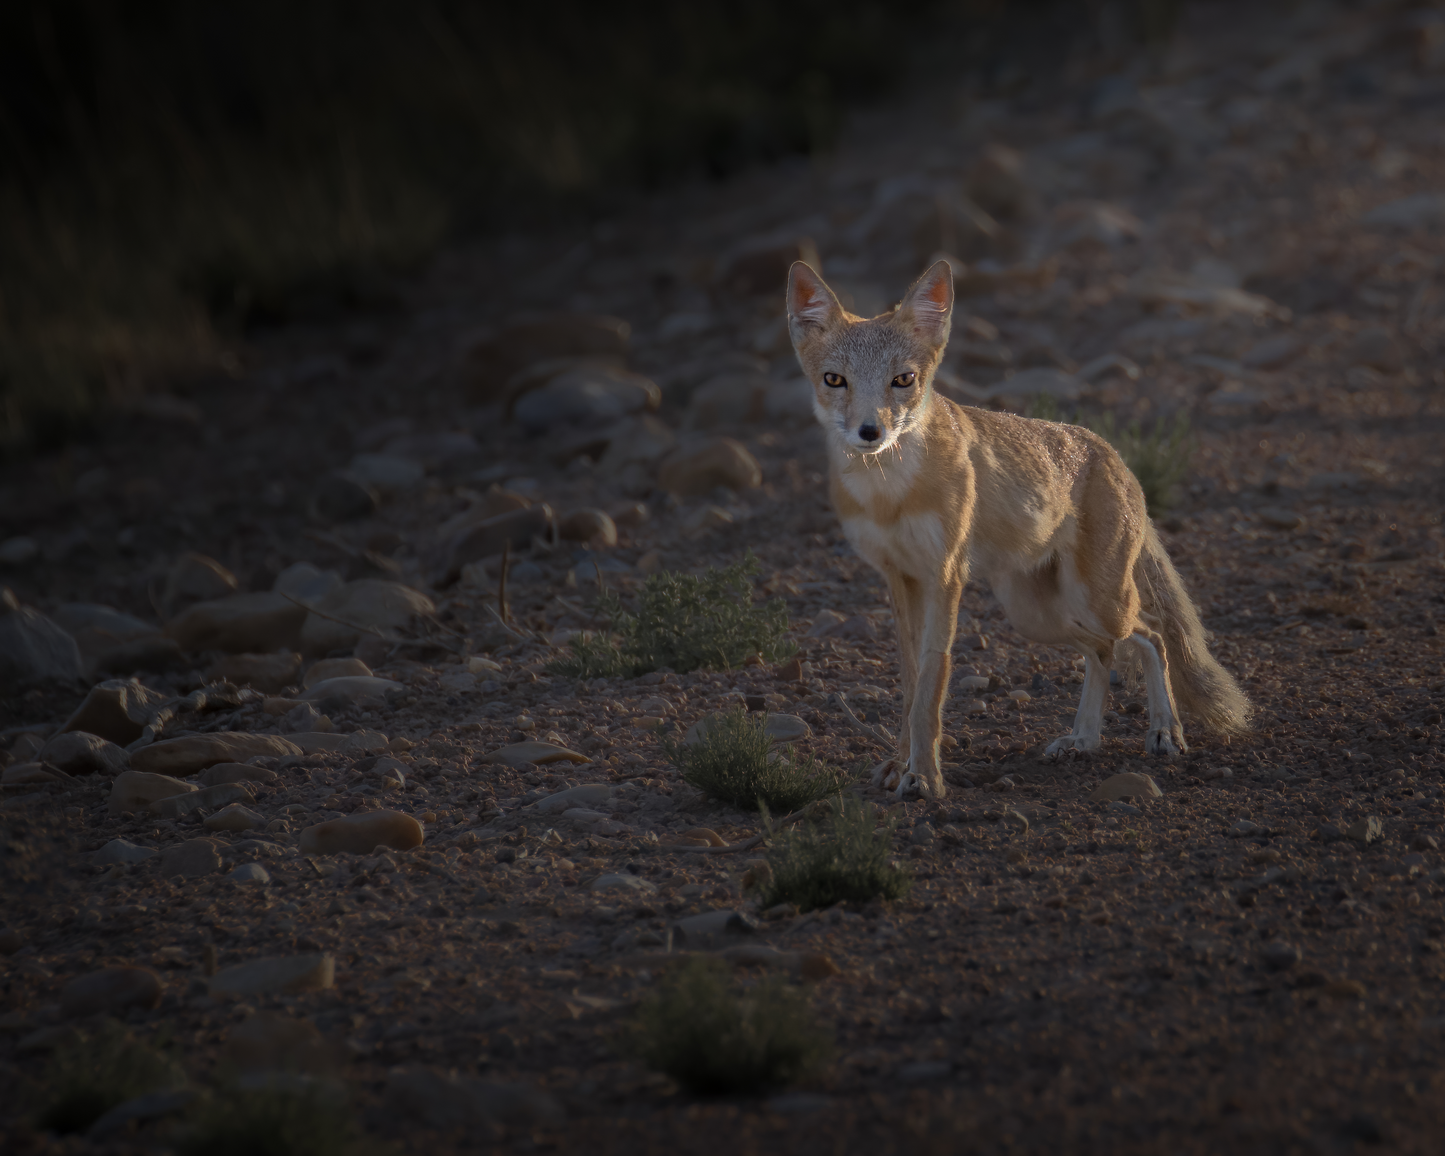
{"points": [[1250, 236]]}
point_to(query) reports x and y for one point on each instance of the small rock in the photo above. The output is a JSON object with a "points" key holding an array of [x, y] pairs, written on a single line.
{"points": [[1366, 830], [825, 623], [694, 471], [586, 795], [192, 859], [235, 773], [137, 790], [712, 929], [111, 990], [533, 752], [588, 525], [1128, 785], [366, 602], [305, 583], [1243, 828], [362, 833], [234, 818], [1424, 211], [81, 754], [241, 624], [185, 756], [105, 635], [17, 552], [34, 649], [387, 474], [1018, 694], [1280, 956], [486, 538], [335, 694], [28, 774], [341, 496], [195, 578], [207, 798], [589, 397], [250, 873], [122, 851], [275, 974], [621, 883], [1280, 519], [1273, 352], [117, 710], [334, 668], [270, 673], [704, 834], [1424, 842]]}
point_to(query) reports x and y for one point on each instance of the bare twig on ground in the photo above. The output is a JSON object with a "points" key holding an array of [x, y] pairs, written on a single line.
{"points": [[869, 729], [506, 614], [372, 630]]}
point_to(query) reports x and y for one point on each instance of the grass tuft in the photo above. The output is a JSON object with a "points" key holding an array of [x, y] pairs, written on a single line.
{"points": [[730, 762], [683, 622], [87, 1079], [838, 860], [716, 1038], [279, 1120]]}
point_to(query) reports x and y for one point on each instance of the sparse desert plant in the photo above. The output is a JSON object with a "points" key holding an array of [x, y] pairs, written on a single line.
{"points": [[730, 762], [282, 1119], [841, 858], [715, 1037], [684, 622], [88, 1078]]}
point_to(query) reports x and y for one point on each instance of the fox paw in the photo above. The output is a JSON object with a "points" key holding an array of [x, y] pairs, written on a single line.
{"points": [[1070, 742], [889, 773], [1165, 743]]}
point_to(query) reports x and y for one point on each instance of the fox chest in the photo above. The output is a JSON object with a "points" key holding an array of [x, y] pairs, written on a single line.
{"points": [[912, 544]]}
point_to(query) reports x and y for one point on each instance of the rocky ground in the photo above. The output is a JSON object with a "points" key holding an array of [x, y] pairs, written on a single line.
{"points": [[1246, 231]]}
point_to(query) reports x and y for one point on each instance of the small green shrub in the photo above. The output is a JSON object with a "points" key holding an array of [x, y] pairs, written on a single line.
{"points": [[715, 1038], [1044, 406], [1159, 458], [685, 623], [730, 763], [87, 1079], [279, 1120], [837, 860]]}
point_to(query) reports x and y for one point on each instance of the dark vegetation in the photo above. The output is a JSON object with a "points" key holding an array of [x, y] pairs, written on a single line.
{"points": [[172, 173], [841, 857]]}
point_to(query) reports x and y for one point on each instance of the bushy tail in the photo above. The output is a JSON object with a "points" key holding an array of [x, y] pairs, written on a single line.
{"points": [[1202, 688]]}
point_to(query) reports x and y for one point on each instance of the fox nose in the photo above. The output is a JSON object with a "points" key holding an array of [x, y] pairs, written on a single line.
{"points": [[869, 433]]}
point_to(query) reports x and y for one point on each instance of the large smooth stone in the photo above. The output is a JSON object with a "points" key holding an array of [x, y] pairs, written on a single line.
{"points": [[78, 753], [366, 602], [1128, 785], [105, 635], [235, 773], [275, 974], [137, 790], [34, 649], [243, 623], [361, 834], [491, 536], [192, 859], [587, 795], [336, 693], [695, 471], [117, 709], [207, 798], [533, 752], [492, 363], [121, 851], [112, 989], [305, 583], [185, 756], [335, 668], [234, 818], [271, 673]]}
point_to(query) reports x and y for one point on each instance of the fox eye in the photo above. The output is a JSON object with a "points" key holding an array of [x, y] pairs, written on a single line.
{"points": [[836, 380], [904, 380]]}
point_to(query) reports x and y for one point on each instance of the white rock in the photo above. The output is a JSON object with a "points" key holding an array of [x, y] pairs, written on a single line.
{"points": [[250, 873], [586, 796], [275, 974], [350, 689], [621, 883]]}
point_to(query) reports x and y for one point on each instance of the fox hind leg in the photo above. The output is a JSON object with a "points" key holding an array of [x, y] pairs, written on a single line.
{"points": [[1089, 719], [1166, 734]]}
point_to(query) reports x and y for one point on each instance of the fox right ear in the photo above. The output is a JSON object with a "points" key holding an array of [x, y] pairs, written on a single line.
{"points": [[811, 303]]}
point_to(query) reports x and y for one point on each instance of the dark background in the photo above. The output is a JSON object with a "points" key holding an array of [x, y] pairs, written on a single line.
{"points": [[173, 172]]}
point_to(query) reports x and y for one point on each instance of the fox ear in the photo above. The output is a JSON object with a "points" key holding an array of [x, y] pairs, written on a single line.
{"points": [[811, 303], [929, 304]]}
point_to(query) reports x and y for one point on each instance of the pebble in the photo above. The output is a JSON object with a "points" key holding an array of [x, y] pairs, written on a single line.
{"points": [[588, 397], [1366, 830], [250, 873], [975, 706], [137, 790], [974, 682], [533, 752], [1020, 695], [695, 471], [1243, 828], [122, 851], [1280, 956], [80, 753], [290, 973], [334, 668], [117, 710], [1129, 785], [174, 806], [387, 474], [34, 649], [335, 694], [586, 795], [270, 673], [712, 929], [185, 756], [191, 859], [588, 525], [343, 496], [236, 773], [110, 990], [239, 624], [488, 537], [1280, 519], [621, 883], [365, 602], [234, 818], [306, 583], [361, 833]]}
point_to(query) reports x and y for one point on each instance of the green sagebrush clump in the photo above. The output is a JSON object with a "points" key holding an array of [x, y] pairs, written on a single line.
{"points": [[282, 1119], [86, 1079], [839, 859], [684, 622], [715, 1037], [1158, 458], [729, 762]]}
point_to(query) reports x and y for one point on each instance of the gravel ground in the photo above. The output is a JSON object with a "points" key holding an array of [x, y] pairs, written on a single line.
{"points": [[1242, 964]]}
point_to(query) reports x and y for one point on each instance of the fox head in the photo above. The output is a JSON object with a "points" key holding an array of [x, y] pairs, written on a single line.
{"points": [[872, 379]]}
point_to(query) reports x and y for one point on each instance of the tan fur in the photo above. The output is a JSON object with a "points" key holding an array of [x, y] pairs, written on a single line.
{"points": [[930, 492]]}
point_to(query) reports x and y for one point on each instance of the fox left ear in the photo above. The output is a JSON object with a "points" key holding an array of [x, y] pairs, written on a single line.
{"points": [[929, 304]]}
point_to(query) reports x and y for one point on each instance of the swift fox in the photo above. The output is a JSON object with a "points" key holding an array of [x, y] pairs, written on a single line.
{"points": [[1047, 514]]}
